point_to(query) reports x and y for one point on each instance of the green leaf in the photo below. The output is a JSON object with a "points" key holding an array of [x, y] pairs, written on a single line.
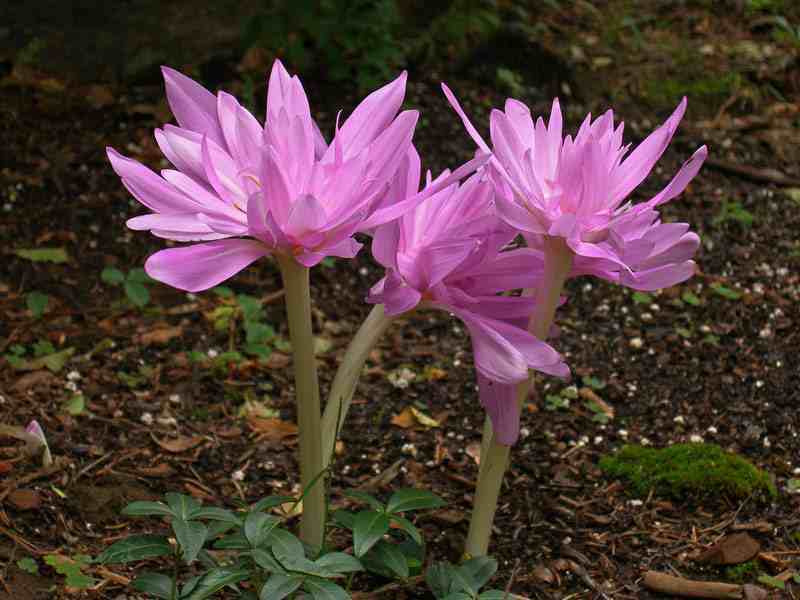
{"points": [[135, 547], [139, 275], [79, 581], [412, 499], [258, 333], [266, 561], [479, 569], [76, 405], [37, 303], [154, 583], [223, 291], [279, 585], [462, 581], [286, 544], [259, 350], [250, 306], [725, 292], [365, 498], [191, 536], [29, 565], [339, 562], [345, 518], [386, 559], [112, 276], [772, 582], [271, 502], [54, 255], [439, 577], [214, 513], [493, 595], [642, 298], [235, 541], [258, 526], [691, 299], [369, 527], [137, 293], [593, 382], [322, 589], [215, 580], [408, 527], [182, 505], [458, 596]]}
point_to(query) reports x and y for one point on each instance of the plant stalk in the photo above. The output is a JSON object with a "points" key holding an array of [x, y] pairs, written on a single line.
{"points": [[298, 309], [347, 376], [494, 456]]}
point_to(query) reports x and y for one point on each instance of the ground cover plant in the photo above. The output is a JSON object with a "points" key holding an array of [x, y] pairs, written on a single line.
{"points": [[192, 393]]}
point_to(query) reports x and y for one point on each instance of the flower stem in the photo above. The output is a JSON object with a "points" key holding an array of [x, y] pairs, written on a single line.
{"points": [[298, 310], [346, 380], [494, 456]]}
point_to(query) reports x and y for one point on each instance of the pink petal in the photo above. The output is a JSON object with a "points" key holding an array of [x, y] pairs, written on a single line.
{"points": [[393, 292], [194, 107], [500, 403], [659, 278], [201, 266]]}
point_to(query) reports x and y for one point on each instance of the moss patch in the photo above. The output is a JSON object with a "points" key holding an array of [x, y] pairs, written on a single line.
{"points": [[687, 470], [742, 573]]}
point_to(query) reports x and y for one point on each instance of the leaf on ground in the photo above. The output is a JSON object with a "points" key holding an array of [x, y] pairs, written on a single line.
{"points": [[274, 430], [179, 444], [158, 336], [54, 255], [731, 550], [25, 499]]}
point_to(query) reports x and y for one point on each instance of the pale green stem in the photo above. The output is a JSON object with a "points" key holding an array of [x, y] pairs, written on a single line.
{"points": [[298, 309], [346, 380], [494, 456]]}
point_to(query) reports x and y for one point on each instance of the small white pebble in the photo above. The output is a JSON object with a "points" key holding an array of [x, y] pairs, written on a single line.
{"points": [[647, 316], [696, 439], [759, 383], [767, 443], [191, 297], [524, 432], [796, 471], [623, 433], [636, 343], [635, 503], [705, 329], [238, 475], [598, 439], [645, 442], [175, 398], [409, 449], [712, 430], [679, 419], [146, 418], [73, 376], [363, 271], [212, 353], [167, 421]]}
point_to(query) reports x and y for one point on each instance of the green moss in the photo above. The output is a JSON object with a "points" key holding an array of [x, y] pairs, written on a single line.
{"points": [[742, 573], [670, 90], [687, 470]]}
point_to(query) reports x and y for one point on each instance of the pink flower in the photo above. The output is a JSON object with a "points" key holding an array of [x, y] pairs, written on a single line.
{"points": [[576, 189], [447, 254], [245, 191]]}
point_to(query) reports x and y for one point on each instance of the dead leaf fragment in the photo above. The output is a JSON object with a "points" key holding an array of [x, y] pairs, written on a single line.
{"points": [[404, 418], [34, 379], [731, 550], [474, 452], [160, 470], [543, 574], [159, 336], [179, 444], [273, 430], [25, 499], [589, 395]]}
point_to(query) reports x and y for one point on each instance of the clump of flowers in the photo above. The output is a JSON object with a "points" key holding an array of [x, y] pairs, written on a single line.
{"points": [[240, 191]]}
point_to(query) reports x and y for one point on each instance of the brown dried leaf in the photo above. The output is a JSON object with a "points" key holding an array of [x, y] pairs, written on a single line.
{"points": [[25, 499], [158, 336], [589, 395], [160, 470], [404, 419], [543, 574], [272, 429], [34, 379], [474, 452], [731, 550], [179, 444]]}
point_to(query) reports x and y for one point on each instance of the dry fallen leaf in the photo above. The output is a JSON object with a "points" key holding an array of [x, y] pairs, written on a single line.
{"points": [[158, 336], [589, 395], [732, 550], [25, 499], [272, 429], [424, 419], [474, 452], [179, 444], [404, 419], [160, 470]]}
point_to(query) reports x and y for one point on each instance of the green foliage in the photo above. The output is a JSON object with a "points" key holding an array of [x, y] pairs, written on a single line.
{"points": [[258, 548], [37, 303], [53, 255], [29, 565], [642, 298], [733, 211], [725, 292], [72, 569], [134, 284], [511, 81], [347, 39], [742, 573], [773, 582], [387, 557], [463, 582], [681, 470], [42, 355], [259, 336]]}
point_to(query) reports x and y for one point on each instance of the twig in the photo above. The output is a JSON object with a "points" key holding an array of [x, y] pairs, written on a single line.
{"points": [[765, 175], [667, 584]]}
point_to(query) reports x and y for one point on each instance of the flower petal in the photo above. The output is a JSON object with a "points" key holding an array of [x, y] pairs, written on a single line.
{"points": [[194, 107]]}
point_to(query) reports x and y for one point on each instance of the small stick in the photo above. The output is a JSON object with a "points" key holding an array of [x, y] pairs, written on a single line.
{"points": [[667, 584]]}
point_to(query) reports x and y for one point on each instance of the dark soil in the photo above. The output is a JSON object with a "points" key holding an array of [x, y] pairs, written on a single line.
{"points": [[723, 368]]}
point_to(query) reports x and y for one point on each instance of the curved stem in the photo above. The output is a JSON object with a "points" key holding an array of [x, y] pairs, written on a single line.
{"points": [[298, 309], [346, 380], [494, 456]]}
